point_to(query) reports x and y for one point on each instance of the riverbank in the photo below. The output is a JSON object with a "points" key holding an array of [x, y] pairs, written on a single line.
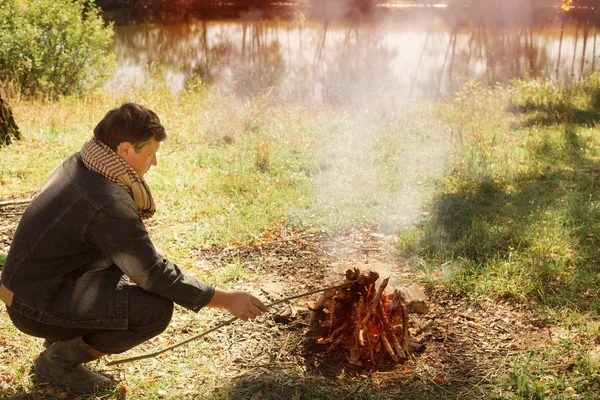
{"points": [[510, 12], [489, 199]]}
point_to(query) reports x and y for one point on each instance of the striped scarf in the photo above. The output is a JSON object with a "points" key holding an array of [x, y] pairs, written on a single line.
{"points": [[100, 158]]}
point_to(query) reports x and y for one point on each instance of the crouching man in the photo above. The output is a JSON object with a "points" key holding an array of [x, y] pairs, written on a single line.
{"points": [[82, 271]]}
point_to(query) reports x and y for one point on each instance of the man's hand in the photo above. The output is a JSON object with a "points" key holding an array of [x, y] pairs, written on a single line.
{"points": [[240, 304]]}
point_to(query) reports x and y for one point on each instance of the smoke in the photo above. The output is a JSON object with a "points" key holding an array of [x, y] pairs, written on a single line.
{"points": [[424, 162], [369, 66], [380, 165]]}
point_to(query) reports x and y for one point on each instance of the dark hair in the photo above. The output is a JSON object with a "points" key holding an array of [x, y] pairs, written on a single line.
{"points": [[131, 123]]}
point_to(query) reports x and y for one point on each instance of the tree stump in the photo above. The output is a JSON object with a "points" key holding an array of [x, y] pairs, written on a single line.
{"points": [[8, 127]]}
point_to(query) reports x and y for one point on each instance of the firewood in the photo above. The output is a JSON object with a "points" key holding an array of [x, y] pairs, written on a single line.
{"points": [[334, 344], [405, 333], [358, 327], [361, 320], [385, 322], [329, 305], [386, 345], [339, 329], [375, 301], [329, 293], [370, 347], [356, 342], [409, 343]]}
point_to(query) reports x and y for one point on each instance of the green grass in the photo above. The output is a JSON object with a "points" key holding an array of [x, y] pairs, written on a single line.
{"points": [[517, 213], [564, 369], [493, 192], [516, 216]]}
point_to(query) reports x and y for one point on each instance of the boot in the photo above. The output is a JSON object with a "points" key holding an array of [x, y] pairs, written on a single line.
{"points": [[61, 363]]}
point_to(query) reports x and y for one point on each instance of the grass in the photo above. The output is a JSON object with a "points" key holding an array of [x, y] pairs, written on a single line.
{"points": [[493, 192], [518, 215]]}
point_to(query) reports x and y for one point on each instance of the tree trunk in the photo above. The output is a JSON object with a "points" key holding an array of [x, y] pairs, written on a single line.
{"points": [[8, 127]]}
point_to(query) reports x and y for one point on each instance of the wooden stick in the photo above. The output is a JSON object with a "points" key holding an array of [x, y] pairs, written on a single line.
{"points": [[14, 202], [386, 343], [356, 342], [405, 333], [385, 322], [370, 344], [222, 324], [336, 343], [375, 302], [339, 329]]}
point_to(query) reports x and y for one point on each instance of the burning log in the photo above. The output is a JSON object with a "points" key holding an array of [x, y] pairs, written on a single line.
{"points": [[368, 324]]}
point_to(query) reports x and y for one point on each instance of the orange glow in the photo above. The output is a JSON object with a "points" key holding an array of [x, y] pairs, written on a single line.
{"points": [[386, 303], [369, 290], [397, 6], [566, 5]]}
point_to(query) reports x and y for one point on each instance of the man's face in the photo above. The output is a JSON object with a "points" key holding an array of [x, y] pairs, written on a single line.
{"points": [[140, 160]]}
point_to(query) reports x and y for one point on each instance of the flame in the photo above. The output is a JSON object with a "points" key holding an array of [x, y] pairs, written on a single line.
{"points": [[566, 5], [369, 290], [373, 330], [386, 303]]}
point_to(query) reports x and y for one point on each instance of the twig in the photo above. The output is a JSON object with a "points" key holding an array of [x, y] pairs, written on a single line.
{"points": [[12, 213], [365, 249], [440, 386], [290, 239], [14, 202], [222, 324]]}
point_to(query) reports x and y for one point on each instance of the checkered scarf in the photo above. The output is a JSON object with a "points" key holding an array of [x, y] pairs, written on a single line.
{"points": [[100, 158]]}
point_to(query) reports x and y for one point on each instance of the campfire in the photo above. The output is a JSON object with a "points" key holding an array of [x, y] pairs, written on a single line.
{"points": [[366, 323]]}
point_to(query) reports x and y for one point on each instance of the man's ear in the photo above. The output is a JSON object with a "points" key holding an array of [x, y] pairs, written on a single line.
{"points": [[123, 149]]}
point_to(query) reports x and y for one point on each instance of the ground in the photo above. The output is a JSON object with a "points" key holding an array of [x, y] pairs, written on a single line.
{"points": [[468, 343]]}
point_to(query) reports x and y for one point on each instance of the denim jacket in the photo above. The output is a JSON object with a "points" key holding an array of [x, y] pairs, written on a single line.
{"points": [[77, 244]]}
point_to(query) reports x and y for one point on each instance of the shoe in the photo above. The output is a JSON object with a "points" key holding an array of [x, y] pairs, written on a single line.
{"points": [[61, 363]]}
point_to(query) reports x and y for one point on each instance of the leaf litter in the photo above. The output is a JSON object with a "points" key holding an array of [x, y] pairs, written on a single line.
{"points": [[467, 342]]}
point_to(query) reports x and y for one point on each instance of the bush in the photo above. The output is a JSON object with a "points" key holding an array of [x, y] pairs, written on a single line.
{"points": [[53, 47]]}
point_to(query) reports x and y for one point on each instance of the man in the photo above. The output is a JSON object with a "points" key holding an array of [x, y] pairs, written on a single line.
{"points": [[82, 271]]}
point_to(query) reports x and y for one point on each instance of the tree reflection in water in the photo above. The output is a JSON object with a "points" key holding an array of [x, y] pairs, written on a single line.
{"points": [[409, 55]]}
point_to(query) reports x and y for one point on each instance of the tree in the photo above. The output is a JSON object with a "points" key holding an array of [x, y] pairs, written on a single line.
{"points": [[8, 127], [53, 47]]}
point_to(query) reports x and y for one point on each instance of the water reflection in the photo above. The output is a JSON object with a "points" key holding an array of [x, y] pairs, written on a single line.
{"points": [[344, 62]]}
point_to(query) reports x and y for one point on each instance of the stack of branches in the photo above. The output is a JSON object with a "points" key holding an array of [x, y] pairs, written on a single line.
{"points": [[362, 320]]}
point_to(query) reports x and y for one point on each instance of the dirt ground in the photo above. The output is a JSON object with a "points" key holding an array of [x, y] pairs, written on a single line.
{"points": [[467, 343]]}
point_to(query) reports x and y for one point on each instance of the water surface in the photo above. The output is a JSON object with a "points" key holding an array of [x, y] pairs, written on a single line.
{"points": [[413, 56]]}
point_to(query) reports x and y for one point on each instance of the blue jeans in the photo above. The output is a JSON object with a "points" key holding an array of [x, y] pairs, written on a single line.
{"points": [[149, 315]]}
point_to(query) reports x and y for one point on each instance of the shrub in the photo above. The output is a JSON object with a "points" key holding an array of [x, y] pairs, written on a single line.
{"points": [[53, 47]]}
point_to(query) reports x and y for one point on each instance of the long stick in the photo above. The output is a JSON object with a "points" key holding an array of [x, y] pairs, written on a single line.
{"points": [[14, 202], [222, 324]]}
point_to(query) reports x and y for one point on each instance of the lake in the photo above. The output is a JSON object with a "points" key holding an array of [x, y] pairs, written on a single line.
{"points": [[408, 54]]}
